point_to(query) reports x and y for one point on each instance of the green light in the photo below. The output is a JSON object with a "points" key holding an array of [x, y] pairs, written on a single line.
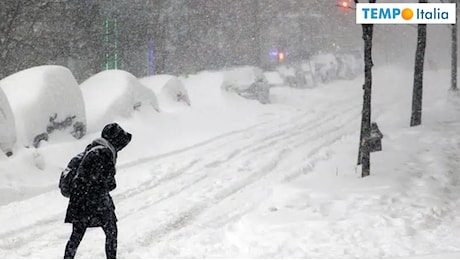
{"points": [[115, 29], [111, 44]]}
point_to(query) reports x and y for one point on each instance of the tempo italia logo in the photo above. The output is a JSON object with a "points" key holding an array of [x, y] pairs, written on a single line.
{"points": [[405, 13]]}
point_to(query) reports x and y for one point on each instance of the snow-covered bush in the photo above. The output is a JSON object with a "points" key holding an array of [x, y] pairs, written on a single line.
{"points": [[44, 99], [7, 125], [248, 82], [113, 93], [168, 88]]}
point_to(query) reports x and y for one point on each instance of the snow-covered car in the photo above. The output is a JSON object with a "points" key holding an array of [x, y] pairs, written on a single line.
{"points": [[44, 100], [349, 67], [274, 78], [289, 75], [114, 93], [307, 73], [7, 126], [248, 82], [168, 88], [297, 75], [324, 67]]}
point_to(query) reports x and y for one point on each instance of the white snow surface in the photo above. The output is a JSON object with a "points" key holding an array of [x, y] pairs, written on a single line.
{"points": [[112, 94], [229, 177], [38, 93]]}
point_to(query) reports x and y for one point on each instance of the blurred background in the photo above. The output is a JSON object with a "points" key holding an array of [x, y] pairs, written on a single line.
{"points": [[147, 37]]}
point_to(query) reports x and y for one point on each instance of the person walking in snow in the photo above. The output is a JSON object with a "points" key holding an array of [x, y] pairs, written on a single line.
{"points": [[90, 204]]}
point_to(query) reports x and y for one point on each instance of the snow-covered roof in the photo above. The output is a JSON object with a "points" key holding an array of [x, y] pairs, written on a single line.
{"points": [[113, 93]]}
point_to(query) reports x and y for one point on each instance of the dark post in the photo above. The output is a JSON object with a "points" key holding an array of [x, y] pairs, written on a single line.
{"points": [[364, 150], [454, 53], [417, 94]]}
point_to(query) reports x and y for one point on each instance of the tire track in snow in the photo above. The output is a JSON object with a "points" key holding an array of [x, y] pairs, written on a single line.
{"points": [[187, 217], [201, 173], [215, 143], [48, 224], [254, 146]]}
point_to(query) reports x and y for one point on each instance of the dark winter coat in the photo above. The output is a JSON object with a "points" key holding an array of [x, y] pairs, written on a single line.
{"points": [[90, 202]]}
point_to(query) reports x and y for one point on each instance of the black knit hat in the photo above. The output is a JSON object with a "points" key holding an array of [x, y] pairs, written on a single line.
{"points": [[116, 136]]}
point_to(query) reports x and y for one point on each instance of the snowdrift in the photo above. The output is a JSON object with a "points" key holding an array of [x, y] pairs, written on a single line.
{"points": [[44, 99], [113, 93], [168, 88], [7, 126]]}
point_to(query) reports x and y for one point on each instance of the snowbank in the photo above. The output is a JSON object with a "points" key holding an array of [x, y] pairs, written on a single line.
{"points": [[7, 126], [113, 93], [42, 100], [168, 88]]}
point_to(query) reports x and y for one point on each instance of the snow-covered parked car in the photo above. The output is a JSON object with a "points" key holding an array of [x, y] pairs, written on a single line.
{"points": [[44, 99], [297, 75], [324, 67], [349, 67], [114, 93], [168, 88], [7, 126], [306, 70], [248, 82], [274, 79], [288, 73]]}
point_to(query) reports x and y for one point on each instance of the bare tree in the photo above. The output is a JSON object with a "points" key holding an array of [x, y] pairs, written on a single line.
{"points": [[454, 45], [18, 21], [454, 51], [417, 94], [364, 148], [35, 33]]}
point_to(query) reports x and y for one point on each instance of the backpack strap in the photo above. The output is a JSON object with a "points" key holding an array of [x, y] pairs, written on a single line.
{"points": [[99, 143], [103, 142]]}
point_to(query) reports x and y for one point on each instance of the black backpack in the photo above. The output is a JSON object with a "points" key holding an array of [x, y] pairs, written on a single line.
{"points": [[69, 173]]}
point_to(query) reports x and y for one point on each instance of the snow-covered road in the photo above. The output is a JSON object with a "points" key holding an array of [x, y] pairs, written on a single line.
{"points": [[198, 188], [281, 185]]}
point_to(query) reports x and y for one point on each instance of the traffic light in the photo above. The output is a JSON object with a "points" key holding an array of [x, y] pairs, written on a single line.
{"points": [[345, 4], [281, 56], [278, 55]]}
